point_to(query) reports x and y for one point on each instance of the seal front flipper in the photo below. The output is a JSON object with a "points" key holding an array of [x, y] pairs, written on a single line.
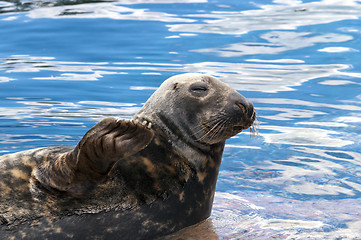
{"points": [[74, 173]]}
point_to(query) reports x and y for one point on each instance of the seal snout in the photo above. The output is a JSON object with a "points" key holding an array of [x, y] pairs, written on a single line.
{"points": [[243, 112], [247, 109], [242, 103]]}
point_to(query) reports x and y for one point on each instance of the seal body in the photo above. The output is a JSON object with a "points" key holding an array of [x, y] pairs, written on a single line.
{"points": [[127, 179]]}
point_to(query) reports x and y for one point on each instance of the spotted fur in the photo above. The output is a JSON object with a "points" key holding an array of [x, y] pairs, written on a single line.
{"points": [[134, 179]]}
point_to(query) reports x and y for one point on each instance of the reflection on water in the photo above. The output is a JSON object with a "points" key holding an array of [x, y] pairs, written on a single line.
{"points": [[27, 6], [235, 217], [263, 77], [304, 136], [297, 61], [278, 42], [93, 110], [268, 77], [279, 218], [99, 9], [285, 15]]}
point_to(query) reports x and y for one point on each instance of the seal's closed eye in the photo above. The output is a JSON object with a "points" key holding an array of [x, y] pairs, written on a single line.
{"points": [[199, 89]]}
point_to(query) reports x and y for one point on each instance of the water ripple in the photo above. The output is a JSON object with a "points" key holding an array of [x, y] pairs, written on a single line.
{"points": [[284, 15], [278, 42], [259, 217], [297, 61], [98, 9], [89, 110], [262, 77]]}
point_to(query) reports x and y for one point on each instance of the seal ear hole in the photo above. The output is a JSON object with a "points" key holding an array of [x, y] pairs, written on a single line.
{"points": [[175, 86]]}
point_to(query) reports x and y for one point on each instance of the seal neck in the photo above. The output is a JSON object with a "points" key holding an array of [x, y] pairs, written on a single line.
{"points": [[182, 140]]}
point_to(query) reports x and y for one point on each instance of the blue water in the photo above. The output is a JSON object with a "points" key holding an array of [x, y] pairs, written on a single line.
{"points": [[64, 65]]}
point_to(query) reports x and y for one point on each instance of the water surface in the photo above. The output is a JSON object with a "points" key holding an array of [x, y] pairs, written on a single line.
{"points": [[64, 65]]}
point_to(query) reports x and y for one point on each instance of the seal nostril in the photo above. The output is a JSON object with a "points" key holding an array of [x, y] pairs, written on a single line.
{"points": [[252, 116], [242, 107]]}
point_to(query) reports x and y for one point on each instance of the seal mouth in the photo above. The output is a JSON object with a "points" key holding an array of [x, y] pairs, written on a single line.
{"points": [[247, 125], [239, 128], [223, 127]]}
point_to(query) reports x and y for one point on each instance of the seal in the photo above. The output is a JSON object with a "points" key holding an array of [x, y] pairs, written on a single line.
{"points": [[127, 179]]}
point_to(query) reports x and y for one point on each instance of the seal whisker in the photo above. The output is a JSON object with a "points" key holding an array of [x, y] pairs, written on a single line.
{"points": [[220, 129], [254, 128], [206, 125], [214, 131]]}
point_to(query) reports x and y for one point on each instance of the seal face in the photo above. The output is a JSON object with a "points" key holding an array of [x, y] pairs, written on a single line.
{"points": [[139, 179]]}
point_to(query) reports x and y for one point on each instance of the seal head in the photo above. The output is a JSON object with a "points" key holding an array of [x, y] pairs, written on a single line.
{"points": [[197, 110]]}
